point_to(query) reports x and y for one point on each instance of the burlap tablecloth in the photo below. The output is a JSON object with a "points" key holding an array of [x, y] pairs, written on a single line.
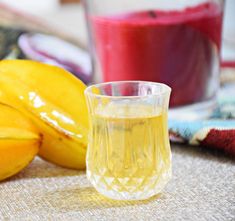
{"points": [[202, 188]]}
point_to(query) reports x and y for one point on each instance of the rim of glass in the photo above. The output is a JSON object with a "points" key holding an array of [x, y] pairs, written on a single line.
{"points": [[166, 89]]}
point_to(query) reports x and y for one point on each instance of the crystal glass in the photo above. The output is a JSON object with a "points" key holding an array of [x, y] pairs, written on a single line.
{"points": [[172, 42], [129, 155]]}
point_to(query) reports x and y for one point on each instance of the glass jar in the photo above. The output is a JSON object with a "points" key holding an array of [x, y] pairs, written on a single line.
{"points": [[171, 42]]}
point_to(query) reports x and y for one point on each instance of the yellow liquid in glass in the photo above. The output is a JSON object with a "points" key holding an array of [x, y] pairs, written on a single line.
{"points": [[129, 155]]}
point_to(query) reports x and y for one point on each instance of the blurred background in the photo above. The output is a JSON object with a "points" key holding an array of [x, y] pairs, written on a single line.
{"points": [[65, 18]]}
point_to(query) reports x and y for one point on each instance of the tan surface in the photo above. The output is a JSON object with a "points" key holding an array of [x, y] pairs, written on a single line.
{"points": [[202, 188]]}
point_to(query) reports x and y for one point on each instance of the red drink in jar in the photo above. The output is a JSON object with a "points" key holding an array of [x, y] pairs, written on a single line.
{"points": [[177, 47]]}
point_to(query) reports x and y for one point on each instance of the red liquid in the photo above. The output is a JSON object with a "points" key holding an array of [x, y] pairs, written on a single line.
{"points": [[178, 48]]}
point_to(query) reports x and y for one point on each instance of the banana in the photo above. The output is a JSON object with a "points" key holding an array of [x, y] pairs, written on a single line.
{"points": [[54, 100], [19, 141]]}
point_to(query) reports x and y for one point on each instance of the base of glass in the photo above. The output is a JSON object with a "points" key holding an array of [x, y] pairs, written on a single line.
{"points": [[198, 111], [127, 196], [112, 192]]}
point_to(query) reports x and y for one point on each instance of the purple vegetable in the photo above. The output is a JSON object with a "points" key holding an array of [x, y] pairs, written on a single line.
{"points": [[52, 50]]}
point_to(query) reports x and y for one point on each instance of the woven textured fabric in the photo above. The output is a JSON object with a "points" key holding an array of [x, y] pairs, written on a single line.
{"points": [[202, 188]]}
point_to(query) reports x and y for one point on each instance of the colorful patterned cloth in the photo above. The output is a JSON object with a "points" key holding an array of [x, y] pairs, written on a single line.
{"points": [[216, 132]]}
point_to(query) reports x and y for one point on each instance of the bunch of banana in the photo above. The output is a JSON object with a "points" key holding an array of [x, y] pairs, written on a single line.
{"points": [[53, 99]]}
